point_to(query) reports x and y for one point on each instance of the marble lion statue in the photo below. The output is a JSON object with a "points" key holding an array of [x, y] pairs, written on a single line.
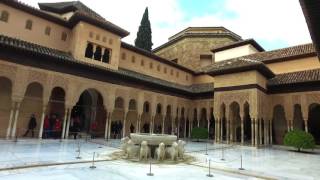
{"points": [[124, 144], [144, 151], [172, 152], [132, 149], [181, 150], [160, 152]]}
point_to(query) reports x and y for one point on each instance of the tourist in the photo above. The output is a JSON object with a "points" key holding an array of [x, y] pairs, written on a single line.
{"points": [[46, 127], [131, 128], [145, 128], [93, 128], [75, 128], [31, 126], [57, 128]]}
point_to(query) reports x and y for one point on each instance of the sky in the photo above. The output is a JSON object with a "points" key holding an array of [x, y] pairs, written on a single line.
{"points": [[272, 23]]}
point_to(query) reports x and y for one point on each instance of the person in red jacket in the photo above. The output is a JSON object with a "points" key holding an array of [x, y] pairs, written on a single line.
{"points": [[46, 127], [93, 127], [57, 128]]}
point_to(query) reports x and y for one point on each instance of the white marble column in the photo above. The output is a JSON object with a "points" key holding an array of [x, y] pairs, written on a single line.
{"points": [[260, 131], [68, 123], [242, 130], [15, 122], [306, 126], [109, 124], [44, 108], [256, 134], [270, 133], [13, 104], [252, 131], [66, 112], [124, 123], [162, 126], [228, 130], [222, 123]]}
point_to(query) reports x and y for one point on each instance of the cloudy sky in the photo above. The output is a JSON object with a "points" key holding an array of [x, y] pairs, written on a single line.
{"points": [[273, 23]]}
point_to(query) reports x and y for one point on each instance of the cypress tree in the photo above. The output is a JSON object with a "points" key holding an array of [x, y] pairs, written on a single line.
{"points": [[144, 38]]}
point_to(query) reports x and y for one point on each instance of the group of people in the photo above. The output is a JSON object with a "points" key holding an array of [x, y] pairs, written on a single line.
{"points": [[51, 126], [116, 129]]}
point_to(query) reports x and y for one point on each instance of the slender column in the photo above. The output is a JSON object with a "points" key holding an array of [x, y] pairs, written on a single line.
{"points": [[178, 128], [218, 129], [106, 129], [270, 133], [242, 130], [215, 131], [256, 132], [162, 127], [124, 123], [138, 123], [42, 121], [13, 104], [221, 127], [66, 112], [228, 131], [190, 128], [151, 124], [306, 125], [288, 125], [266, 130], [252, 131], [15, 122], [185, 128], [109, 124], [66, 136], [260, 131]]}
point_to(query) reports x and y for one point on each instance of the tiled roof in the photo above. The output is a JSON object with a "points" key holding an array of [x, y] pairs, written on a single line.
{"points": [[258, 60], [238, 65], [283, 54], [295, 77], [64, 7], [82, 13], [186, 34], [237, 44], [45, 52]]}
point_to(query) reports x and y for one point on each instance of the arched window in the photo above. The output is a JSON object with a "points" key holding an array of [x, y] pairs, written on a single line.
{"points": [[89, 51], [47, 31], [4, 16], [29, 24], [64, 36], [97, 53], [106, 56]]}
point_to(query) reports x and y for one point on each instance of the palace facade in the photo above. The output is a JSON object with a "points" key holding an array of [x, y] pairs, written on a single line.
{"points": [[67, 60]]}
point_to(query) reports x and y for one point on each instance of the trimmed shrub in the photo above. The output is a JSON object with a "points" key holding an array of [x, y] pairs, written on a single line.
{"points": [[299, 139], [199, 133]]}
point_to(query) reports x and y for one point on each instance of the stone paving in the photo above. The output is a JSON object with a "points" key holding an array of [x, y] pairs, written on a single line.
{"points": [[258, 163]]}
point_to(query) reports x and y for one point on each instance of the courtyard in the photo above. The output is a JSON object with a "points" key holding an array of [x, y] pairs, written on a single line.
{"points": [[54, 159]]}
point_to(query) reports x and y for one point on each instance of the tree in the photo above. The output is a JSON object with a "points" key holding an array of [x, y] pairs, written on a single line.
{"points": [[199, 133], [299, 139], [144, 38]]}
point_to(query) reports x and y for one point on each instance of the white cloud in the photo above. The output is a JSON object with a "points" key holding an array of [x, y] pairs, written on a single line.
{"points": [[265, 20]]}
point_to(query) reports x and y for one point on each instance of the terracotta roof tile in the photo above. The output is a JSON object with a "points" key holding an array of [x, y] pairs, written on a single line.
{"points": [[295, 77]]}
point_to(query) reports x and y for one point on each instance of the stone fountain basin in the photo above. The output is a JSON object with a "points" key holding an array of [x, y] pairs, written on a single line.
{"points": [[153, 139]]}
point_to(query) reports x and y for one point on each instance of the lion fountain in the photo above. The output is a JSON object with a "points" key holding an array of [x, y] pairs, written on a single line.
{"points": [[157, 146]]}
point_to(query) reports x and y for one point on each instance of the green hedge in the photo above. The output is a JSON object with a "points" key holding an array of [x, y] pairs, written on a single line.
{"points": [[299, 139], [199, 133]]}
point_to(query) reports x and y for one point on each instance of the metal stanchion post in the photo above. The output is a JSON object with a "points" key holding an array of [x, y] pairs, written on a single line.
{"points": [[78, 157], [78, 146], [150, 173], [209, 175], [222, 154], [16, 138], [206, 148], [93, 166], [241, 168]]}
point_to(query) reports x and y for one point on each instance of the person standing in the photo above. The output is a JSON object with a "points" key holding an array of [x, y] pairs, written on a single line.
{"points": [[93, 128], [46, 127], [57, 128], [31, 125], [131, 128]]}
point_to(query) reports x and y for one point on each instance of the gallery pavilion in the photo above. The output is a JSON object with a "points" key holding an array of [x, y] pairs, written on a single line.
{"points": [[66, 59]]}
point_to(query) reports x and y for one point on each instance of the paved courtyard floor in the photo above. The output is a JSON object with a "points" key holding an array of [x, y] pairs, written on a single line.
{"points": [[52, 159]]}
